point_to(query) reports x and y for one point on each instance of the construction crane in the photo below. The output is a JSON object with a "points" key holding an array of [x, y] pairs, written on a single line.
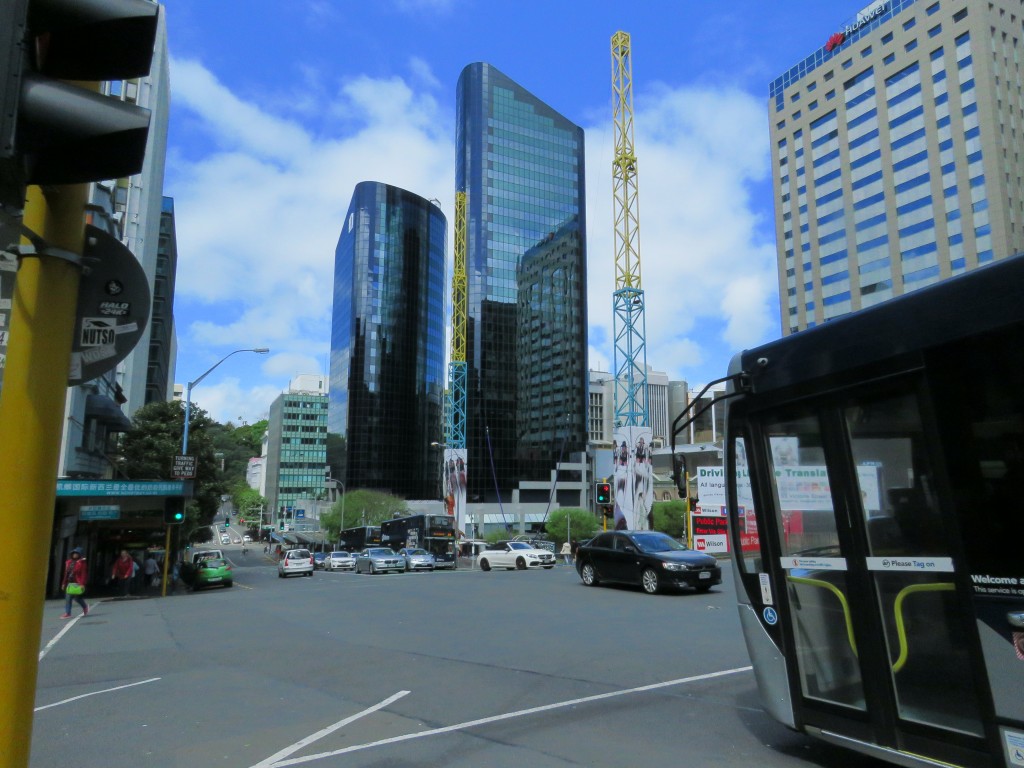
{"points": [[630, 361], [455, 410]]}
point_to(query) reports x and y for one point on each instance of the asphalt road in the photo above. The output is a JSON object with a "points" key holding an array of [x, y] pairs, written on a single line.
{"points": [[460, 669]]}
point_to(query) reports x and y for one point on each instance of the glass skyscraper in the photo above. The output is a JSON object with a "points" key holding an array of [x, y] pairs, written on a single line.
{"points": [[897, 151], [521, 165], [387, 374]]}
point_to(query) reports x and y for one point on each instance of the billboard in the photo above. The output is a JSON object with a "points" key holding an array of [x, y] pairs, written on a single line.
{"points": [[633, 479], [453, 475]]}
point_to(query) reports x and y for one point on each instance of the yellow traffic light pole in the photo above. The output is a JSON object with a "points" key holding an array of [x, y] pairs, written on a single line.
{"points": [[31, 414]]}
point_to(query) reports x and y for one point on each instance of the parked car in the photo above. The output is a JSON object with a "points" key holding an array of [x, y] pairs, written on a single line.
{"points": [[319, 559], [340, 561], [295, 561], [651, 559], [417, 559], [247, 539], [379, 560], [189, 568], [515, 554], [212, 572]]}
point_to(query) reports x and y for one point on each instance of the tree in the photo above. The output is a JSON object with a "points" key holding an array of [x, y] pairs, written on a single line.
{"points": [[330, 523], [249, 504], [670, 517], [149, 447], [366, 507], [570, 522]]}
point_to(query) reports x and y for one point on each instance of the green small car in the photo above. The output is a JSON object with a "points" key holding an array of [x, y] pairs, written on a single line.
{"points": [[212, 572]]}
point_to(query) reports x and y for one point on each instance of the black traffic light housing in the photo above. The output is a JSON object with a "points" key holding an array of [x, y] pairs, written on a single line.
{"points": [[604, 493], [174, 510], [54, 132]]}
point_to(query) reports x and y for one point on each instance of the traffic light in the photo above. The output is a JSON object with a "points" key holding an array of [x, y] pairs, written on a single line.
{"points": [[174, 511], [604, 493], [56, 132]]}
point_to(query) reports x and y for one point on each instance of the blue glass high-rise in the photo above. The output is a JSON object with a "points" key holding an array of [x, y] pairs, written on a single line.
{"points": [[387, 374], [521, 165]]}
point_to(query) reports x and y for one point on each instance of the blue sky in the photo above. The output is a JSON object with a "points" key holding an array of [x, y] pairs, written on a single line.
{"points": [[279, 109]]}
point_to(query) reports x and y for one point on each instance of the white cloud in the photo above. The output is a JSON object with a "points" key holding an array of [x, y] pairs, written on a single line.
{"points": [[704, 258], [259, 215]]}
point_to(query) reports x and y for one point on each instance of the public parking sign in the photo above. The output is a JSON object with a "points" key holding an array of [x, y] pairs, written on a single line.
{"points": [[184, 467]]}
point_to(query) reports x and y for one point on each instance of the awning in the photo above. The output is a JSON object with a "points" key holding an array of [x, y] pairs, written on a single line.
{"points": [[104, 410]]}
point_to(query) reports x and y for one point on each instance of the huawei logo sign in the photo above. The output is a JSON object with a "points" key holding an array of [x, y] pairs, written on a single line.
{"points": [[837, 39]]}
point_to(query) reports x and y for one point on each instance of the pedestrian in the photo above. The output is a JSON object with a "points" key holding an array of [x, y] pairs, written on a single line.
{"points": [[566, 553], [151, 571], [175, 574], [76, 574], [124, 569]]}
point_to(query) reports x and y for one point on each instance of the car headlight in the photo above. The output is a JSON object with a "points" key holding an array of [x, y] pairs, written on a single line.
{"points": [[674, 566]]}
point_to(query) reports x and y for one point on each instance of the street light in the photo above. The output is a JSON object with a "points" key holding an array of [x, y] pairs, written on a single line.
{"points": [[188, 391]]}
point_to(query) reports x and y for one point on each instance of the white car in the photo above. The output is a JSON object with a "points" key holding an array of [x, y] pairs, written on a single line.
{"points": [[298, 561], [247, 538], [515, 554], [340, 561], [225, 539]]}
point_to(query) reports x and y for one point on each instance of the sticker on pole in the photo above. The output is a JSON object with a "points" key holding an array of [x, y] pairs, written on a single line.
{"points": [[98, 332]]}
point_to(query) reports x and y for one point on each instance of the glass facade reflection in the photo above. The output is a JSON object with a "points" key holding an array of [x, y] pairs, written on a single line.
{"points": [[521, 165], [387, 374]]}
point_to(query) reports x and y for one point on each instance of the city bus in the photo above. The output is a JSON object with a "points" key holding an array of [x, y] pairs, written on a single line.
{"points": [[874, 473], [434, 533], [358, 539]]}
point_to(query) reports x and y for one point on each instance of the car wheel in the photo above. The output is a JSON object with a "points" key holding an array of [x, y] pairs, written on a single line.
{"points": [[372, 569], [649, 579], [280, 575], [588, 575], [520, 564], [310, 574], [484, 565], [229, 583], [703, 587]]}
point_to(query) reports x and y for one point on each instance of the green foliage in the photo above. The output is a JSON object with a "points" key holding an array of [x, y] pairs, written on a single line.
{"points": [[573, 522], [248, 502], [495, 536], [365, 507], [330, 523], [670, 517], [149, 447]]}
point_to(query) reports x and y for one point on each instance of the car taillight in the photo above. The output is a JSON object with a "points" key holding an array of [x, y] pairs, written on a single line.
{"points": [[286, 562], [311, 561]]}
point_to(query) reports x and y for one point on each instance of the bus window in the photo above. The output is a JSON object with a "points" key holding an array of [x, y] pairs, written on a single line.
{"points": [[749, 554], [815, 566]]}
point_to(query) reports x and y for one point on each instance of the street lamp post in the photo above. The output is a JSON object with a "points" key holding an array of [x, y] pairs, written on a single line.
{"points": [[188, 391]]}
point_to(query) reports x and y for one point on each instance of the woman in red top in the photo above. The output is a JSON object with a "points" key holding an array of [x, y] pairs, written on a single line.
{"points": [[75, 572], [124, 569]]}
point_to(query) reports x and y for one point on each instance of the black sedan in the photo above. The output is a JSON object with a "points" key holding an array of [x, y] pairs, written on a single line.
{"points": [[651, 559]]}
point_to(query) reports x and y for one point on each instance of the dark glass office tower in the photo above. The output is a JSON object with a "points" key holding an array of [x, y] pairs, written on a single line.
{"points": [[521, 165], [387, 340]]}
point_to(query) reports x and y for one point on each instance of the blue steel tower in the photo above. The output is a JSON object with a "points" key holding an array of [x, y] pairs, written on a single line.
{"points": [[387, 340], [521, 166]]}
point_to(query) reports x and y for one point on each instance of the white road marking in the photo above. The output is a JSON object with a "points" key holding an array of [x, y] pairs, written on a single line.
{"points": [[498, 718], [60, 634], [272, 760], [96, 693]]}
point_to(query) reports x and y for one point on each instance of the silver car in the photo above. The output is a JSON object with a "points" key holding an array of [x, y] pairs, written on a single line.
{"points": [[379, 560], [417, 559]]}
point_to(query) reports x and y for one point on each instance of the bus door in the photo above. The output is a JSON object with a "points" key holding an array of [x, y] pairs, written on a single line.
{"points": [[875, 607]]}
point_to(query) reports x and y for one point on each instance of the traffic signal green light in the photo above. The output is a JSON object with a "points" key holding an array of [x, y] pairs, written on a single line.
{"points": [[604, 493], [174, 511]]}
